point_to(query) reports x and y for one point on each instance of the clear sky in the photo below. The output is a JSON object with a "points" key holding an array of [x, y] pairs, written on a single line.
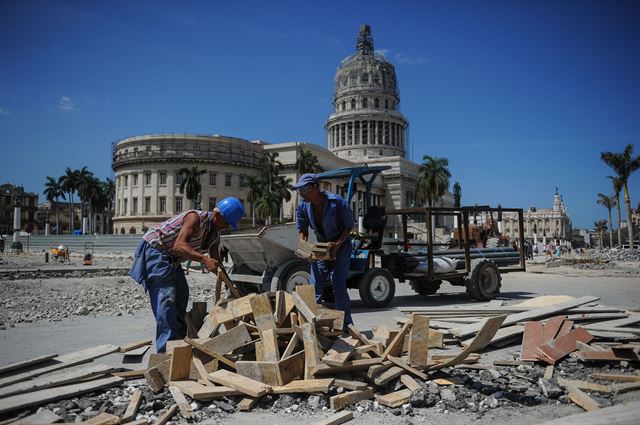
{"points": [[520, 96]]}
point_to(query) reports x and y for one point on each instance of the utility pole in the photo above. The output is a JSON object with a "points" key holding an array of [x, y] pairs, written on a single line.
{"points": [[18, 193]]}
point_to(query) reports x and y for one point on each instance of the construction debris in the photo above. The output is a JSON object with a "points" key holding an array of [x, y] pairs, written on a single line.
{"points": [[258, 350]]}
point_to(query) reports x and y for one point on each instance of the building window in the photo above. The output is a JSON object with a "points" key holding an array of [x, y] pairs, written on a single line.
{"points": [[163, 178], [163, 204], [243, 180], [134, 205], [179, 178], [386, 104], [353, 104], [148, 150], [126, 180], [365, 103], [178, 203], [348, 153], [147, 204], [365, 77], [212, 203], [212, 179], [227, 179], [134, 182], [344, 105], [125, 210], [376, 103], [147, 179]]}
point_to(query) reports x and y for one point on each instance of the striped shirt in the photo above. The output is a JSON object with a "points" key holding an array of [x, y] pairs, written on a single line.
{"points": [[163, 236]]}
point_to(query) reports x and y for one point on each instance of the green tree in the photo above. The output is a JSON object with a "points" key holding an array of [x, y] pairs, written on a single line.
{"points": [[433, 180], [191, 183], [70, 184], [306, 162], [617, 187], [624, 164], [282, 190], [267, 206], [270, 168], [256, 189], [608, 203], [109, 193], [87, 187], [601, 228], [53, 191]]}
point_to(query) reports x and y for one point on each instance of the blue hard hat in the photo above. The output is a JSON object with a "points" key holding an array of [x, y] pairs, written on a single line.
{"points": [[232, 210], [306, 179]]}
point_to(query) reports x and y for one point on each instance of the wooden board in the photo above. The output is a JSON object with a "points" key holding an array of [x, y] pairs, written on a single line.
{"points": [[581, 398], [43, 416], [395, 346], [359, 336], [560, 347], [273, 373], [419, 341], [409, 382], [235, 309], [155, 380], [488, 329], [340, 351], [537, 313], [293, 343], [400, 363], [531, 339], [388, 375], [311, 351], [262, 312], [337, 419], [616, 377], [349, 366], [308, 295], [551, 328], [210, 353], [30, 362], [61, 362], [135, 344], [166, 416], [136, 352], [271, 353], [132, 408], [185, 407], [40, 397], [607, 356], [209, 327], [395, 399], [204, 393], [103, 418], [180, 363], [303, 308], [243, 384], [343, 400], [350, 385], [304, 386], [230, 340]]}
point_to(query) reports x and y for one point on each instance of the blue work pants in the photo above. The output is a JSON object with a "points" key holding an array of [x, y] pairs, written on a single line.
{"points": [[337, 272]]}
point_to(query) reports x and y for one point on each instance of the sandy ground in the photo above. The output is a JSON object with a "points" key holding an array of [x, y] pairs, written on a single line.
{"points": [[62, 331]]}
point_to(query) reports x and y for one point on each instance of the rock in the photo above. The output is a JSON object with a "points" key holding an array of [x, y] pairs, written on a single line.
{"points": [[224, 406], [448, 394], [406, 409], [550, 389], [121, 280], [422, 397], [314, 401], [285, 401], [491, 402], [81, 311]]}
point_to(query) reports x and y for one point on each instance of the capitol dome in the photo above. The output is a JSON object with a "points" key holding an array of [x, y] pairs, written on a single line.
{"points": [[366, 122]]}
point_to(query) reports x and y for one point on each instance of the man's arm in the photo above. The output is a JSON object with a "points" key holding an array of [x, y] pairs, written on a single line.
{"points": [[345, 215], [190, 228], [214, 251], [302, 223]]}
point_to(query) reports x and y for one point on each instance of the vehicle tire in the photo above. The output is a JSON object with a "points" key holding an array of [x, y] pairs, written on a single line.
{"points": [[377, 287], [485, 280], [424, 287], [297, 274]]}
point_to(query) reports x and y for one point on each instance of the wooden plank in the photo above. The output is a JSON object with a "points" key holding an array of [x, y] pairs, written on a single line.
{"points": [[388, 375], [61, 362], [235, 309], [246, 404], [488, 329], [210, 352], [304, 386], [349, 366], [584, 385], [395, 346], [331, 318], [233, 289], [293, 342], [209, 327], [185, 408], [180, 363], [395, 399], [531, 340], [135, 344], [409, 382], [41, 417], [581, 398], [398, 362], [616, 377], [566, 327], [202, 371], [230, 340], [204, 393], [377, 369], [243, 384], [103, 418], [273, 373], [340, 401], [626, 387], [419, 341], [53, 379], [436, 339], [30, 362], [311, 352], [620, 414], [337, 419], [132, 408], [166, 416], [271, 352], [155, 379], [357, 335], [280, 314], [607, 356], [551, 328], [560, 347], [631, 320], [308, 295], [40, 397], [303, 308], [262, 312], [137, 352], [513, 319], [340, 351], [350, 385]]}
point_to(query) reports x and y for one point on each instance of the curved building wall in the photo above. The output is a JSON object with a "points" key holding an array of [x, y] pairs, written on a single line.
{"points": [[148, 182]]}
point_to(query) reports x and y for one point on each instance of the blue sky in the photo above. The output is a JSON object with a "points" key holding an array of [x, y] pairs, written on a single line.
{"points": [[521, 96]]}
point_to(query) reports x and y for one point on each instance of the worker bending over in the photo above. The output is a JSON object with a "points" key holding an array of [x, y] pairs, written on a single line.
{"points": [[158, 258], [332, 221]]}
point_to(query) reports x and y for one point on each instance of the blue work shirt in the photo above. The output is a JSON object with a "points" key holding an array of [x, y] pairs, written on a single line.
{"points": [[336, 217]]}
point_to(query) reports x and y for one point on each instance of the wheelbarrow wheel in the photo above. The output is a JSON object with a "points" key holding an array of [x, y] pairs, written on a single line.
{"points": [[424, 287], [298, 274], [377, 287]]}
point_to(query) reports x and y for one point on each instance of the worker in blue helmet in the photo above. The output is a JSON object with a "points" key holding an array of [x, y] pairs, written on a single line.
{"points": [[331, 219], [157, 264]]}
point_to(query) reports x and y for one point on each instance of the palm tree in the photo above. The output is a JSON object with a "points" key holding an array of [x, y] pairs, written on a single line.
{"points": [[282, 190], [617, 187], [53, 190], [70, 184], [109, 192], [87, 186], [601, 227], [270, 168], [256, 189], [433, 181], [191, 182], [608, 203], [267, 206], [306, 162], [624, 164]]}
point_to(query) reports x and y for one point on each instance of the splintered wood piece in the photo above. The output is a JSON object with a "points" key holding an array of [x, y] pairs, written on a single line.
{"points": [[337, 419], [304, 386], [303, 308], [185, 408], [154, 379], [550, 328], [390, 374], [616, 377], [419, 341], [280, 314], [133, 345], [293, 342], [340, 351], [132, 408], [308, 295], [395, 346], [246, 404], [103, 418], [180, 363], [531, 340], [262, 312], [166, 416], [210, 352], [409, 382], [382, 334], [204, 393], [581, 398], [560, 347], [271, 353], [350, 385], [415, 372], [311, 352], [343, 400], [395, 399], [243, 384]]}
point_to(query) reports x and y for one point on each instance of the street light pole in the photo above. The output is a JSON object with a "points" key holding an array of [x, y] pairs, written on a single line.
{"points": [[18, 193]]}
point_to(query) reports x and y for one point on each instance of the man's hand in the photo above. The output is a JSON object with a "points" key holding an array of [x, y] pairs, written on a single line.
{"points": [[333, 248], [211, 264], [303, 236]]}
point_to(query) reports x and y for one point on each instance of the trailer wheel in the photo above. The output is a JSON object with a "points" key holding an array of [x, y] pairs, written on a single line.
{"points": [[424, 287], [485, 280], [298, 274], [377, 287]]}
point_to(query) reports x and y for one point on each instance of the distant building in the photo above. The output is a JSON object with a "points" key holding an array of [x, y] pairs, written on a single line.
{"points": [[29, 208], [47, 213]]}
